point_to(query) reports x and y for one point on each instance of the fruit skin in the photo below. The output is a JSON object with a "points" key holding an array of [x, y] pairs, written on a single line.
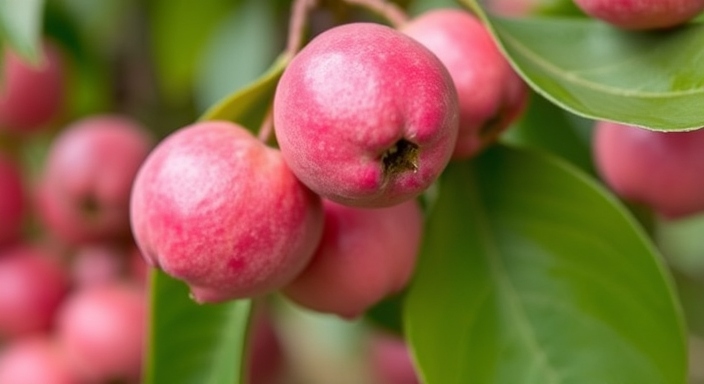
{"points": [[366, 116], [31, 96], [101, 332], [364, 256], [84, 190], [491, 95], [215, 207], [391, 361], [642, 14], [660, 169], [13, 202], [34, 360], [32, 286]]}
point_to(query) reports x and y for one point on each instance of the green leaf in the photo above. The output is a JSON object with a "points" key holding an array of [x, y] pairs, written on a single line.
{"points": [[242, 45], [191, 343], [650, 79], [545, 125], [532, 273], [180, 29], [21, 25], [249, 105]]}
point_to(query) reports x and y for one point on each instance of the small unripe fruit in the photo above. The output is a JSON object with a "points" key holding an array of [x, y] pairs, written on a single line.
{"points": [[101, 332], [84, 190], [491, 94], [364, 256], [366, 116], [34, 360], [661, 169], [32, 286], [31, 95], [12, 200], [215, 207], [642, 14]]}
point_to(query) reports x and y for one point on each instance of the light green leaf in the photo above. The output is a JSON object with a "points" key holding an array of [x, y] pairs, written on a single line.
{"points": [[191, 343], [532, 273], [650, 79], [21, 25]]}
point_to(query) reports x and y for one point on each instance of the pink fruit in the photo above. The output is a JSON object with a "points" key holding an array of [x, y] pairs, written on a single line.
{"points": [[98, 264], [12, 201], [266, 360], [34, 360], [663, 170], [31, 95], [101, 332], [491, 94], [391, 360], [215, 207], [642, 14], [32, 286], [364, 256], [85, 186], [366, 116]]}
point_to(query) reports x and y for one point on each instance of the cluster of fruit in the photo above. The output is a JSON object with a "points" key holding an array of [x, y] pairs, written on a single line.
{"points": [[73, 300], [366, 118], [72, 307]]}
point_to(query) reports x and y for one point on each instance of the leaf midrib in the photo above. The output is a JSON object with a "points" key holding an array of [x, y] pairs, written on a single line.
{"points": [[504, 285]]}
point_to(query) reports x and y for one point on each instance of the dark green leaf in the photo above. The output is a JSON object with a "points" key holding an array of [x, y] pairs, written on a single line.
{"points": [[21, 25], [651, 79], [191, 343], [532, 273], [545, 125]]}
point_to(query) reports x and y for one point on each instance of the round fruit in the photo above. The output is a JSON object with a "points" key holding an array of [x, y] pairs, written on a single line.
{"points": [[33, 286], [215, 207], [31, 95], [34, 360], [491, 94], [660, 169], [364, 256], [642, 14], [366, 116], [84, 190], [101, 331], [12, 200]]}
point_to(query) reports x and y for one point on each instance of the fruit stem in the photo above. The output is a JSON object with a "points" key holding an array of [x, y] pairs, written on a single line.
{"points": [[267, 127], [390, 11], [299, 18]]}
